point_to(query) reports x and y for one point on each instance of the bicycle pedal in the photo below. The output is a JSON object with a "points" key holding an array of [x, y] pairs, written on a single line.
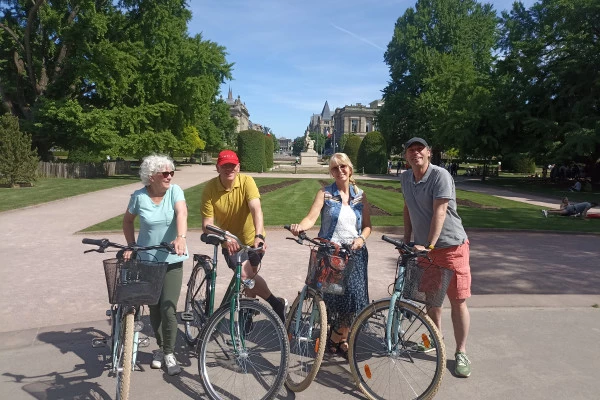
{"points": [[144, 341], [187, 316], [99, 342], [108, 313]]}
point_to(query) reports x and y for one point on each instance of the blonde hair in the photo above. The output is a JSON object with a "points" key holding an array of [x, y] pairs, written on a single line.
{"points": [[343, 159]]}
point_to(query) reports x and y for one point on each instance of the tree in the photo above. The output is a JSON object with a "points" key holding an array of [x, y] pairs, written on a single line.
{"points": [[551, 93], [18, 162], [439, 58], [298, 146], [351, 146], [372, 154], [131, 64]]}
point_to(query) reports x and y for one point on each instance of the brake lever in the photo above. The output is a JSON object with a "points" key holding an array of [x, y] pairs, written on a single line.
{"points": [[87, 251], [297, 240]]}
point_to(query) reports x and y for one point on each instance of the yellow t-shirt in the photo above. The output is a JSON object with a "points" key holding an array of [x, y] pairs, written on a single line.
{"points": [[229, 208]]}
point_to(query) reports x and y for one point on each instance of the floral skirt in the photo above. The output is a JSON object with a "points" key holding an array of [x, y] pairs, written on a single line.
{"points": [[342, 309]]}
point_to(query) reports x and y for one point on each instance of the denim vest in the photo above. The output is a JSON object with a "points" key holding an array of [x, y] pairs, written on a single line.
{"points": [[332, 207]]}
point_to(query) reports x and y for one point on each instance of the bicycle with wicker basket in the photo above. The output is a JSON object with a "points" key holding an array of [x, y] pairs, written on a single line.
{"points": [[306, 322], [395, 349], [131, 284]]}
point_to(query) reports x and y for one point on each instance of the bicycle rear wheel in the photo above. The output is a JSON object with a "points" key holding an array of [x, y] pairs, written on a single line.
{"points": [[408, 370], [125, 352], [308, 337], [195, 304], [256, 368]]}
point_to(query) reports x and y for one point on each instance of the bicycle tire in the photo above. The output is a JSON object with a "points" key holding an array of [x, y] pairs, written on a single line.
{"points": [[307, 346], [124, 370], [195, 303], [259, 370], [406, 372]]}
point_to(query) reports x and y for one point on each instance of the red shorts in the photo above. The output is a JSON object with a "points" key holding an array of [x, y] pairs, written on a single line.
{"points": [[455, 258]]}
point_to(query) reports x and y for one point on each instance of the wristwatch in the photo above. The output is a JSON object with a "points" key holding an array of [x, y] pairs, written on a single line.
{"points": [[260, 236], [430, 246]]}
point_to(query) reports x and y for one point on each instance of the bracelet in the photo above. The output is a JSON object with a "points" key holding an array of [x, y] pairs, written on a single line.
{"points": [[260, 236], [181, 236], [363, 238]]}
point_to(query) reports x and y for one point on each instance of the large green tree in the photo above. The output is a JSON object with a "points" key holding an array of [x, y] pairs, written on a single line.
{"points": [[129, 65], [551, 79], [439, 59]]}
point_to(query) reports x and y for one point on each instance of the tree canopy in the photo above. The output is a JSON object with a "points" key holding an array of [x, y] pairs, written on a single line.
{"points": [[110, 77]]}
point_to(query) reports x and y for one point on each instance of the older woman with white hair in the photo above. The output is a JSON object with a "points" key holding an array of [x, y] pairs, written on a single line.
{"points": [[345, 219], [162, 210]]}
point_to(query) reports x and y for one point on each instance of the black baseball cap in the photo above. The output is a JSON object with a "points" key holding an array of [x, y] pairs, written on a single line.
{"points": [[414, 140]]}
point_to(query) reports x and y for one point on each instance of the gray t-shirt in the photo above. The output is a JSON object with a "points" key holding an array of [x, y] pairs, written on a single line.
{"points": [[419, 196]]}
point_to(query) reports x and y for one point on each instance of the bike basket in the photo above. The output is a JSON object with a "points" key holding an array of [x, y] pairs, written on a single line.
{"points": [[327, 272], [426, 283], [134, 282]]}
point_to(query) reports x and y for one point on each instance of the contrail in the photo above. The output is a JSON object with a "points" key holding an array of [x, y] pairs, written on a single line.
{"points": [[367, 41]]}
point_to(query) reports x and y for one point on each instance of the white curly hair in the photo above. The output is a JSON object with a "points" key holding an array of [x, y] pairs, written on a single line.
{"points": [[153, 164]]}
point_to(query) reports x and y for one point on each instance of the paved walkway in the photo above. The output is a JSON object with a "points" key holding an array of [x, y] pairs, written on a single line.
{"points": [[531, 307]]}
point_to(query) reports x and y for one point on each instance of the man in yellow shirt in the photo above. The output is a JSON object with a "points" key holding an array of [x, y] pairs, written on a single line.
{"points": [[231, 201]]}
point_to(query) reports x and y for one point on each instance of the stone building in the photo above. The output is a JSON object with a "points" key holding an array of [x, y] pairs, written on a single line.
{"points": [[238, 111], [321, 123], [358, 119]]}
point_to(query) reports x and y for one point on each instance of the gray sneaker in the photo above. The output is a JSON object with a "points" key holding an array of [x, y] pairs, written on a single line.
{"points": [[463, 365], [157, 358], [171, 363]]}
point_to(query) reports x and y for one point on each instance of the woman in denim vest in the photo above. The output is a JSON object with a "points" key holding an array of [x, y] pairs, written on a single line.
{"points": [[345, 219]]}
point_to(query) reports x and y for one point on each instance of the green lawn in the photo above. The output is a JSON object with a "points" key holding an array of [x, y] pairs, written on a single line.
{"points": [[290, 204], [48, 189]]}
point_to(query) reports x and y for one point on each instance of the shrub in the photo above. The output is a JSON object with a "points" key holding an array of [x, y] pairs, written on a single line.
{"points": [[251, 151], [351, 148], [372, 154], [18, 162], [269, 147], [519, 163]]}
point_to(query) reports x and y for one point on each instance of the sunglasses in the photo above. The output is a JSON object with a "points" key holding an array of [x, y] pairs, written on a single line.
{"points": [[166, 174], [340, 167]]}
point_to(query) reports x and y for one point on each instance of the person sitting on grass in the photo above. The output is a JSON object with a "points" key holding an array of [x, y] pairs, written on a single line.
{"points": [[567, 209]]}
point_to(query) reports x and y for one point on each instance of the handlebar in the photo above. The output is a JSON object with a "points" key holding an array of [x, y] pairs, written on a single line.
{"points": [[405, 248], [221, 236], [104, 244], [302, 237]]}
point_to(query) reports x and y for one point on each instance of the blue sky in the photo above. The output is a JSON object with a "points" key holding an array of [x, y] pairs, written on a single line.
{"points": [[291, 56]]}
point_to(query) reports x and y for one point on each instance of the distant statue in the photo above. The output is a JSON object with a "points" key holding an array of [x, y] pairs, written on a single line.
{"points": [[310, 144]]}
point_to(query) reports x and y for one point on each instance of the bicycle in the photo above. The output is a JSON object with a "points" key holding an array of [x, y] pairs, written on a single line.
{"points": [[242, 347], [306, 322], [395, 349], [131, 284]]}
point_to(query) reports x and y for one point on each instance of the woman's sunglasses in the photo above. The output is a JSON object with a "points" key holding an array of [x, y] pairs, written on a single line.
{"points": [[340, 167], [166, 174]]}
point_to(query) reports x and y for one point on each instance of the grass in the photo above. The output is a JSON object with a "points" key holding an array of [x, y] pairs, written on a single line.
{"points": [[291, 203], [49, 189]]}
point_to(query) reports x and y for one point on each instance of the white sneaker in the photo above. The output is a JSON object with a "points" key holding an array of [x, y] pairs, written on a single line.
{"points": [[545, 213], [172, 367], [157, 358]]}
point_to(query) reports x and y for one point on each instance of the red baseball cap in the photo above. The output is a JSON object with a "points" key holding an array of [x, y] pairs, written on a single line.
{"points": [[227, 157]]}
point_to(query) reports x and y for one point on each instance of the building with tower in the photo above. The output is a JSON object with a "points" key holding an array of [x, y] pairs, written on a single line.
{"points": [[238, 110], [321, 123]]}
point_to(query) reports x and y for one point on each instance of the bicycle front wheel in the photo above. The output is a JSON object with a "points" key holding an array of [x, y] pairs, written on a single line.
{"points": [[408, 366], [249, 362], [195, 304], [126, 357], [307, 333]]}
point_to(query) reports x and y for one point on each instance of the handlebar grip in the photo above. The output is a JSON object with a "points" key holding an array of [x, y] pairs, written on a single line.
{"points": [[288, 227], [95, 242], [397, 243], [215, 229]]}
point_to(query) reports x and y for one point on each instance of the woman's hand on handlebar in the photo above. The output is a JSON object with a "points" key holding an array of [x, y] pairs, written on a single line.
{"points": [[127, 255], [180, 245], [357, 243], [295, 229]]}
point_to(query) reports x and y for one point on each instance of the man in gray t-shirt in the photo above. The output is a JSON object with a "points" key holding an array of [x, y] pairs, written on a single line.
{"points": [[431, 220]]}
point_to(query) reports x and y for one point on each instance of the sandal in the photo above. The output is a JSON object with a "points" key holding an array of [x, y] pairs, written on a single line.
{"points": [[341, 352], [334, 348]]}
